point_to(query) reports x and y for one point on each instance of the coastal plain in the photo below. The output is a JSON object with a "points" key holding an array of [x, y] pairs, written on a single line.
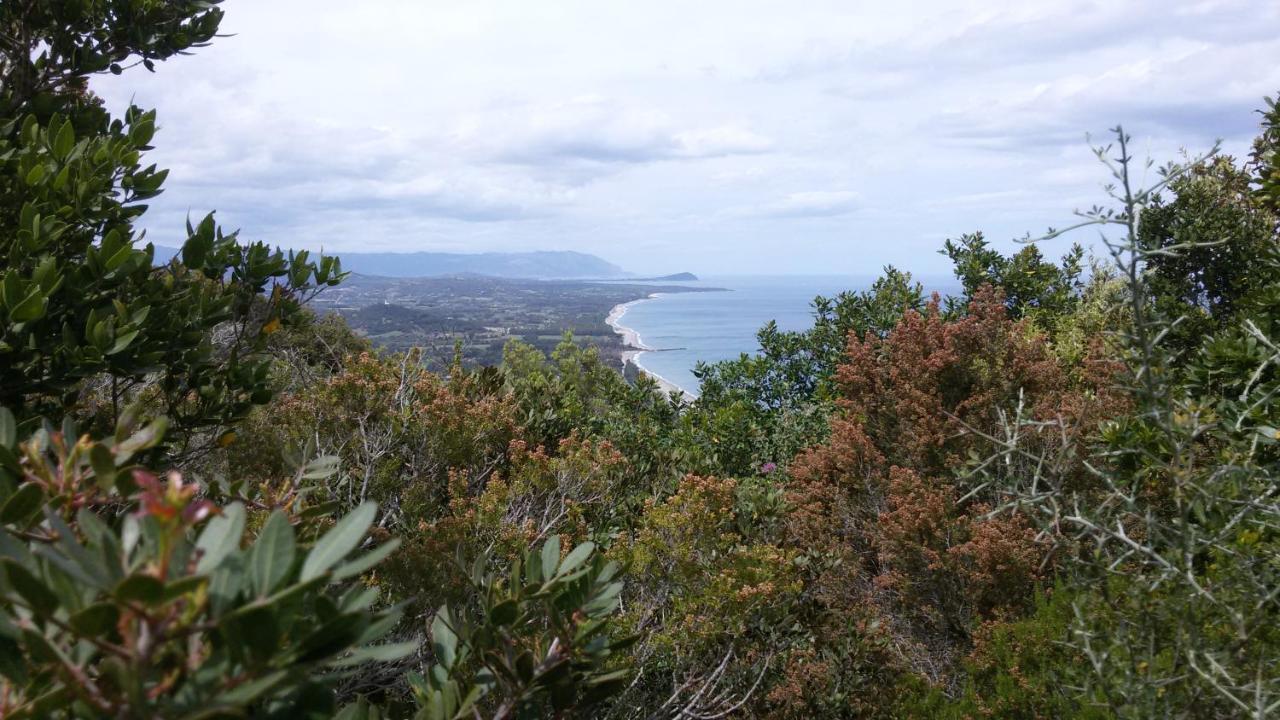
{"points": [[483, 313]]}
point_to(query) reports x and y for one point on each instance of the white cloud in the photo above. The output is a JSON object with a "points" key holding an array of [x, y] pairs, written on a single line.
{"points": [[813, 203], [595, 130], [668, 135], [719, 141]]}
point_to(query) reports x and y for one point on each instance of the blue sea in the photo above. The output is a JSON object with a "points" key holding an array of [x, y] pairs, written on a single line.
{"points": [[685, 328]]}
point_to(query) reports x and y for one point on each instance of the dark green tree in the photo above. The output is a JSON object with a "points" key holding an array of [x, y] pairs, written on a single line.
{"points": [[88, 322], [1264, 161], [1211, 245], [1031, 285]]}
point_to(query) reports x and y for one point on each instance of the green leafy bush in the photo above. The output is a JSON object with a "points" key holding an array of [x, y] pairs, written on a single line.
{"points": [[537, 644], [127, 594]]}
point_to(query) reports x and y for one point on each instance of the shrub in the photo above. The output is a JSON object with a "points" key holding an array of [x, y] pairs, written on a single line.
{"points": [[128, 594]]}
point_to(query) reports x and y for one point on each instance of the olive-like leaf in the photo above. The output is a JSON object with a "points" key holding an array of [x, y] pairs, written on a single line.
{"points": [[38, 596], [444, 641], [146, 589], [550, 557], [576, 557], [22, 504], [505, 612], [220, 537], [339, 541], [366, 561], [8, 428], [272, 555]]}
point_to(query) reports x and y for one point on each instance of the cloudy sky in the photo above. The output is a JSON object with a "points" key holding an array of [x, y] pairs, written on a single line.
{"points": [[718, 136]]}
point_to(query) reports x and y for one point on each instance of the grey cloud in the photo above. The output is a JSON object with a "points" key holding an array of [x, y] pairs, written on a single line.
{"points": [[954, 39], [711, 136], [599, 130]]}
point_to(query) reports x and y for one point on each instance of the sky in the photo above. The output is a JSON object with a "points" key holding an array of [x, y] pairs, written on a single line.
{"points": [[717, 136]]}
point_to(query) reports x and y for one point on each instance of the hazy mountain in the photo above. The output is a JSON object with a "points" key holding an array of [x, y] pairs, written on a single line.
{"points": [[677, 277], [562, 264], [538, 265]]}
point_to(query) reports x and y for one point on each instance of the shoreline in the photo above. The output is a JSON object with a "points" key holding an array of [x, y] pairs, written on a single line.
{"points": [[634, 346]]}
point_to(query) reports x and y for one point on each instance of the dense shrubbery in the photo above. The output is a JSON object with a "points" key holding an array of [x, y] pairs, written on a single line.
{"points": [[1050, 496]]}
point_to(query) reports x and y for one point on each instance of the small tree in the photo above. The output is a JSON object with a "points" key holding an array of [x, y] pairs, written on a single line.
{"points": [[1031, 285], [1176, 538]]}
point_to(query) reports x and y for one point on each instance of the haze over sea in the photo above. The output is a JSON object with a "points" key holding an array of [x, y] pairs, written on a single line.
{"points": [[685, 328]]}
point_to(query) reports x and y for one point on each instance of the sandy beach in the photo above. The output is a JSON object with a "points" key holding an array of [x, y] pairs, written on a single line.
{"points": [[636, 347]]}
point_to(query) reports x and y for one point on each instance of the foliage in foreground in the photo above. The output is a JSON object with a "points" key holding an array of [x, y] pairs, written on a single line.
{"points": [[1046, 497], [125, 594]]}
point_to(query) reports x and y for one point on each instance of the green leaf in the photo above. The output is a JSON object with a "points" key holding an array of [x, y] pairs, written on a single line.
{"points": [[95, 619], [505, 612], [378, 653], [609, 677], [36, 174], [142, 132], [331, 639], [256, 627], [62, 178], [31, 308], [39, 597], [13, 664], [359, 710], [604, 686], [272, 555], [366, 561], [359, 598], [144, 439], [41, 649], [182, 586], [250, 691], [220, 537], [444, 641], [576, 557], [339, 541], [64, 142], [465, 705], [122, 342], [321, 468], [146, 589], [104, 466], [319, 510], [22, 503], [550, 557], [8, 428], [226, 582]]}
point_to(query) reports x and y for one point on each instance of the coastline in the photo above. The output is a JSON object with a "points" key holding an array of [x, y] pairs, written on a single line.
{"points": [[635, 347]]}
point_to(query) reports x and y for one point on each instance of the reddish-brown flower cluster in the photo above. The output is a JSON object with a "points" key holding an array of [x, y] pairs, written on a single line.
{"points": [[888, 502]]}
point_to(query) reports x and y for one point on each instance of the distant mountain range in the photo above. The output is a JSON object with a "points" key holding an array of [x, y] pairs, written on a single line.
{"points": [[543, 265]]}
